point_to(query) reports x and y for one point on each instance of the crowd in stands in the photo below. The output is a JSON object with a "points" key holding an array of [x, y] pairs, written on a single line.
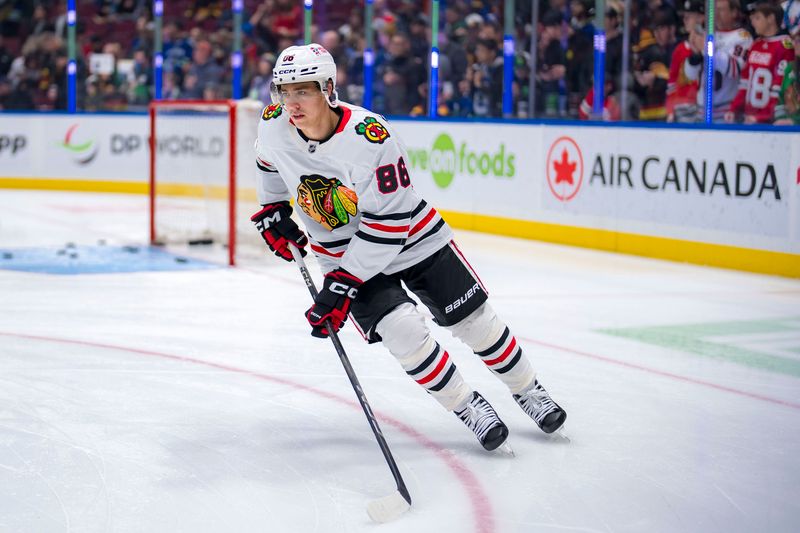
{"points": [[755, 78]]}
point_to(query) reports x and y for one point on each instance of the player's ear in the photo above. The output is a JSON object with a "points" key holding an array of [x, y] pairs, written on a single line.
{"points": [[329, 90]]}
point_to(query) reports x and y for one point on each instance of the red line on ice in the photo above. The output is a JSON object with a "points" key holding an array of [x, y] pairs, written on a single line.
{"points": [[664, 373], [481, 507]]}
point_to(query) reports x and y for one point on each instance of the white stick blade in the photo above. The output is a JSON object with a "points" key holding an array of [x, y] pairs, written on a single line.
{"points": [[387, 508]]}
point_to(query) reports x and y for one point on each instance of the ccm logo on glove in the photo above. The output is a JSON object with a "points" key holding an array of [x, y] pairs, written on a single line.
{"points": [[279, 230], [344, 290], [333, 302]]}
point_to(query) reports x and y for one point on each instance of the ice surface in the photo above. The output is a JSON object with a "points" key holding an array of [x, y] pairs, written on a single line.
{"points": [[196, 401]]}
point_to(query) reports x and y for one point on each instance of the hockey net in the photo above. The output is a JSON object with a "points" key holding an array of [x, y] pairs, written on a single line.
{"points": [[202, 176]]}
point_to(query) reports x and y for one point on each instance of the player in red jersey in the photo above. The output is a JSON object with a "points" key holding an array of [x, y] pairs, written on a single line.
{"points": [[763, 73], [681, 89]]}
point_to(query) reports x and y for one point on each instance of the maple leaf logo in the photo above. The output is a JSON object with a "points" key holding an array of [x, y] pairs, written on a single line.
{"points": [[564, 168]]}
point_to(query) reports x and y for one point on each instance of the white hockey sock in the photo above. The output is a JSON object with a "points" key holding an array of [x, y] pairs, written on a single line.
{"points": [[507, 361], [406, 336], [492, 341]]}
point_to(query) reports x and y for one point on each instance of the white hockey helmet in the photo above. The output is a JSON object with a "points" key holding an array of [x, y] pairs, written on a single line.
{"points": [[310, 62]]}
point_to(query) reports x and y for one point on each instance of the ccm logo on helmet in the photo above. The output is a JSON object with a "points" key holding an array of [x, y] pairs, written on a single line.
{"points": [[344, 290], [287, 70], [458, 303]]}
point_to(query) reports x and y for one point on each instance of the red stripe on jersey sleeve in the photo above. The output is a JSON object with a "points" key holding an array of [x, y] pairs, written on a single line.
{"points": [[388, 229], [421, 224], [323, 251]]}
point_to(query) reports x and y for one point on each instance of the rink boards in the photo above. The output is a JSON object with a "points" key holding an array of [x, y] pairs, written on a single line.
{"points": [[723, 197]]}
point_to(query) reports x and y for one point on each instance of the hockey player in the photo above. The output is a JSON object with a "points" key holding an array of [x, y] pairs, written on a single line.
{"points": [[731, 43], [346, 170], [763, 72]]}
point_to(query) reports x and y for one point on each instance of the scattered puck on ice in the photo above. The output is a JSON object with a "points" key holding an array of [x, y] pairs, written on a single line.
{"points": [[200, 242], [101, 242], [181, 260], [61, 252], [7, 255], [131, 249], [73, 255], [70, 245]]}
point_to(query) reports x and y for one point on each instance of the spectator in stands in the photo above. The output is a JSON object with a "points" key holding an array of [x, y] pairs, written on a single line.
{"points": [[486, 79], [651, 70], [176, 48], [551, 64], [259, 85], [762, 75], [142, 79], [15, 98], [419, 35], [681, 89], [6, 58], [41, 23], [401, 75], [731, 44], [787, 112], [613, 28], [204, 69], [579, 52]]}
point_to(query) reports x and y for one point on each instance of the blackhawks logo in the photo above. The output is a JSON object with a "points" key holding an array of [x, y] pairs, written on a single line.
{"points": [[326, 200], [374, 131], [272, 111]]}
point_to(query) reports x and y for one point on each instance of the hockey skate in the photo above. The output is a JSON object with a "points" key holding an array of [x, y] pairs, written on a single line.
{"points": [[480, 417], [547, 414]]}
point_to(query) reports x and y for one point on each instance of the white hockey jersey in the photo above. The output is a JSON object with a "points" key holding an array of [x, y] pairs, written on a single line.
{"points": [[730, 53], [352, 192]]}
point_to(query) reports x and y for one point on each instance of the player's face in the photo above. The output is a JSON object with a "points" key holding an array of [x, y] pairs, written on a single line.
{"points": [[304, 102]]}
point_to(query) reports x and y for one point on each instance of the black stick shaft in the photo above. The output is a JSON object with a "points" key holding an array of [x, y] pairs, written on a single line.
{"points": [[351, 375]]}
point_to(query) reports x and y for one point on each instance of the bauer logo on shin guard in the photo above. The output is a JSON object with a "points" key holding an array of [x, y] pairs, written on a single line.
{"points": [[461, 301]]}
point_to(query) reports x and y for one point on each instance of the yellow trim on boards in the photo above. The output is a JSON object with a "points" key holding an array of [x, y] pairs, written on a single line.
{"points": [[717, 255], [125, 187]]}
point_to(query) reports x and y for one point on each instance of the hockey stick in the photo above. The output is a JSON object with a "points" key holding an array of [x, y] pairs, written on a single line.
{"points": [[391, 506]]}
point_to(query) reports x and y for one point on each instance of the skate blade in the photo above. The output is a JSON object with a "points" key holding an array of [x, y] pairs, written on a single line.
{"points": [[505, 449]]}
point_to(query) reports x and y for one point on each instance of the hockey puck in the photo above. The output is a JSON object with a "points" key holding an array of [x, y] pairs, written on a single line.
{"points": [[200, 242], [73, 255], [101, 242], [131, 249], [61, 252], [181, 260], [8, 255], [70, 245]]}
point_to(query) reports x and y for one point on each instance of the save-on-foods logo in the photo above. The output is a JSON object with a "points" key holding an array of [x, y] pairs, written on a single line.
{"points": [[445, 160], [83, 151], [564, 168]]}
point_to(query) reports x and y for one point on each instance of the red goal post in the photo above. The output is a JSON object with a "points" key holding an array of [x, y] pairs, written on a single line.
{"points": [[202, 166]]}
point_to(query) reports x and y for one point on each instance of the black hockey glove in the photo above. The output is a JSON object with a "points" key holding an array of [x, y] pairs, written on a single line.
{"points": [[333, 302], [279, 230]]}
